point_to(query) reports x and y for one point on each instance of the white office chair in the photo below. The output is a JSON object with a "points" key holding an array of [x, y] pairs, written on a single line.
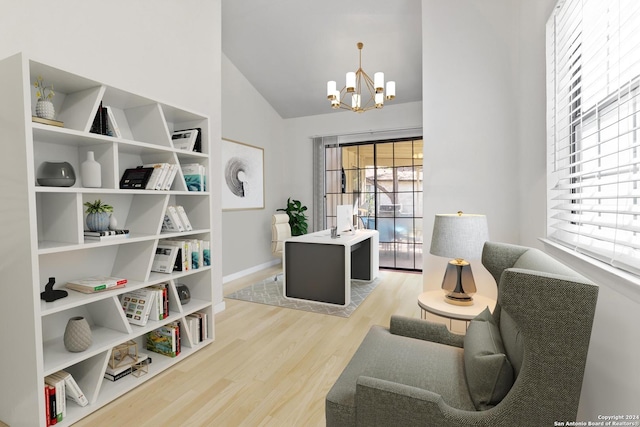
{"points": [[280, 231]]}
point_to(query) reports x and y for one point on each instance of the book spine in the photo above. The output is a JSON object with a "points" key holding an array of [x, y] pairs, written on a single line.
{"points": [[155, 175], [117, 376], [104, 130], [178, 338], [193, 176], [74, 392], [95, 288], [106, 232], [109, 237], [173, 171], [173, 214], [164, 171], [206, 253], [184, 218], [47, 408], [165, 300], [205, 326], [198, 145], [52, 406], [113, 125], [159, 305], [61, 399], [195, 254]]}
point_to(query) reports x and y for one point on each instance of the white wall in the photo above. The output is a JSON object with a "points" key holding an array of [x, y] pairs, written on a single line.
{"points": [[530, 78], [470, 121], [138, 46], [248, 118], [484, 111]]}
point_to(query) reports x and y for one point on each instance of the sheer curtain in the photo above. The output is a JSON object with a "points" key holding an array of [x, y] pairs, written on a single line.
{"points": [[319, 201]]}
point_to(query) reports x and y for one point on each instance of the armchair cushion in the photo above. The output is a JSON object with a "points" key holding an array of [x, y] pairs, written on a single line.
{"points": [[487, 369], [412, 362]]}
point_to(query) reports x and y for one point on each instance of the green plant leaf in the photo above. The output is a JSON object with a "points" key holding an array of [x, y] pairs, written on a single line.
{"points": [[297, 219]]}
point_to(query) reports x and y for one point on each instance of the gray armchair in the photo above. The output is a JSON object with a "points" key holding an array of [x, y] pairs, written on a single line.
{"points": [[523, 365]]}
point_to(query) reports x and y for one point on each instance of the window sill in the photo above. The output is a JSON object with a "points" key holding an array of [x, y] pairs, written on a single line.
{"points": [[596, 271]]}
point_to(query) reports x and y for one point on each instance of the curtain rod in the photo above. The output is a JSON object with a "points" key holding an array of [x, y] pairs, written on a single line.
{"points": [[369, 132]]}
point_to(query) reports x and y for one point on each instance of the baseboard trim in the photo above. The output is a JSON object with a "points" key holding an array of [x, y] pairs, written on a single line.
{"points": [[255, 269], [219, 307]]}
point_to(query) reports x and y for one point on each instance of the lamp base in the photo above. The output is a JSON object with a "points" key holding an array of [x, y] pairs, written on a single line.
{"points": [[458, 299], [458, 284]]}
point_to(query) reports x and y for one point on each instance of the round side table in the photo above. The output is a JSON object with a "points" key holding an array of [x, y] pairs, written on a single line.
{"points": [[433, 302]]}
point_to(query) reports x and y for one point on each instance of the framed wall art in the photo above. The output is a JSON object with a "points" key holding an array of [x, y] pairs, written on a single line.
{"points": [[242, 176]]}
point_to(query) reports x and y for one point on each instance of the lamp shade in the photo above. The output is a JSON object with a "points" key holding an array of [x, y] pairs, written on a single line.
{"points": [[378, 81], [391, 90], [331, 89], [351, 81], [459, 235]]}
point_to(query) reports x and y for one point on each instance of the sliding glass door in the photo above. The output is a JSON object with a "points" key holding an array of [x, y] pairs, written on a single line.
{"points": [[382, 181]]}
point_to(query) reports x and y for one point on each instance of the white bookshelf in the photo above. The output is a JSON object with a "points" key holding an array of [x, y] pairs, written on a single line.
{"points": [[42, 235]]}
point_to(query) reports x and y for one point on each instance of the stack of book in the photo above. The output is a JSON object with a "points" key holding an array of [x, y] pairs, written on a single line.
{"points": [[147, 303], [106, 235], [150, 176], [160, 305], [51, 122], [188, 140], [104, 122], [195, 176], [193, 254], [176, 219], [166, 258], [93, 284], [59, 387], [165, 339], [114, 374], [197, 327], [162, 176]]}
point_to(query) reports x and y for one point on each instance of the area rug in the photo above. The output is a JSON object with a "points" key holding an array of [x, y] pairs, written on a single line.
{"points": [[269, 292]]}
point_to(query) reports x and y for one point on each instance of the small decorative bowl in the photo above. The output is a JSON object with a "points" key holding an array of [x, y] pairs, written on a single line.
{"points": [[56, 174]]}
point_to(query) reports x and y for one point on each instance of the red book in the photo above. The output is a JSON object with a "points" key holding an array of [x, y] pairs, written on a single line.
{"points": [[46, 405], [53, 417], [165, 300], [178, 339]]}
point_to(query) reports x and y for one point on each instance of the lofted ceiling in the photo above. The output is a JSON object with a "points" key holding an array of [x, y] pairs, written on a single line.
{"points": [[289, 49]]}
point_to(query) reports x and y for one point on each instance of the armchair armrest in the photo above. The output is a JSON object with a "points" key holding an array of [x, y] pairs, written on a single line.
{"points": [[424, 330], [380, 402]]}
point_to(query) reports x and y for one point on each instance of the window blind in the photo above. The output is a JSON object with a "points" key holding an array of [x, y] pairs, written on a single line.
{"points": [[593, 124]]}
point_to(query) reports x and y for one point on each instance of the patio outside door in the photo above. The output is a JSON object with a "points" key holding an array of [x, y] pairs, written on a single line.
{"points": [[383, 182]]}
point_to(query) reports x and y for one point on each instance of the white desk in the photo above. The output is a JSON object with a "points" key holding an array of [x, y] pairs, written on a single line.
{"points": [[319, 268]]}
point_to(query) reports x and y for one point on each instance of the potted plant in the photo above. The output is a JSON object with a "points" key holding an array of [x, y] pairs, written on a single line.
{"points": [[98, 215], [297, 218]]}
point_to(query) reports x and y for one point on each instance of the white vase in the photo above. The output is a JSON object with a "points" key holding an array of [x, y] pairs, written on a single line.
{"points": [[77, 335], [45, 110], [90, 172], [113, 222]]}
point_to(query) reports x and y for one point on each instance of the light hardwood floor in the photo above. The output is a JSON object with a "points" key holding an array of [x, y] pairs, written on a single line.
{"points": [[268, 366]]}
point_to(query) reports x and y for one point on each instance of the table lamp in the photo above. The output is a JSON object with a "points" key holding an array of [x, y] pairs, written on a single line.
{"points": [[461, 237]]}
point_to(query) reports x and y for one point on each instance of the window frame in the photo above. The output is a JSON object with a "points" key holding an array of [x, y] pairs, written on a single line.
{"points": [[624, 276]]}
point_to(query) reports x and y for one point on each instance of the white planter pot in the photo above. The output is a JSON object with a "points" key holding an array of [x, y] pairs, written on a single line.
{"points": [[45, 110]]}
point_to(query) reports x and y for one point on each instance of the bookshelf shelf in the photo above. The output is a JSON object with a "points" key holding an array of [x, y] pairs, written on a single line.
{"points": [[43, 235]]}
